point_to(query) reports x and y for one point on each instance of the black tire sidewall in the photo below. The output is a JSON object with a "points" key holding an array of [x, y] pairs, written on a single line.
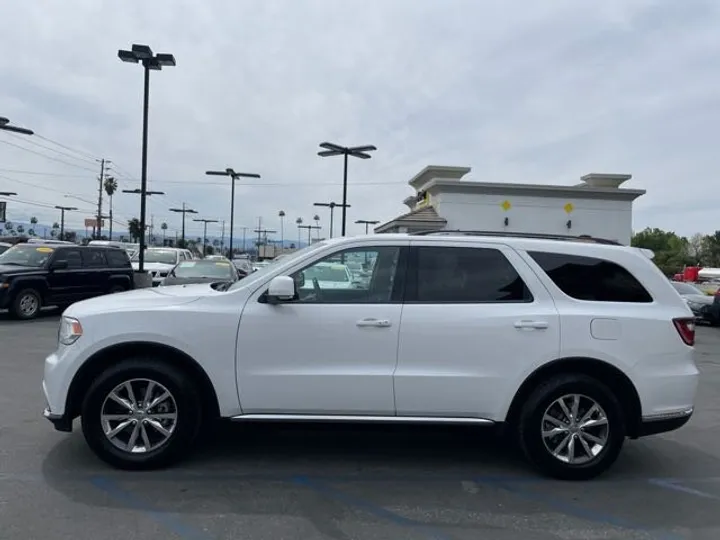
{"points": [[530, 427], [16, 304], [188, 404], [116, 289]]}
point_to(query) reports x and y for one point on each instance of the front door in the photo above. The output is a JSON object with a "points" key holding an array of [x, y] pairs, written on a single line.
{"points": [[331, 351], [476, 321], [69, 284]]}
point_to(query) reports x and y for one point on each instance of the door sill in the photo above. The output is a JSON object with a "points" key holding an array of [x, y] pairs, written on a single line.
{"points": [[360, 418]]}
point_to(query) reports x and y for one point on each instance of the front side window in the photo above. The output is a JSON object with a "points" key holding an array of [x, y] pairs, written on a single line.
{"points": [[591, 279], [71, 256], [465, 275], [366, 275]]}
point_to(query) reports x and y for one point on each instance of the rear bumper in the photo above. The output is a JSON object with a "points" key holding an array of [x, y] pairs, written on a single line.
{"points": [[664, 423]]}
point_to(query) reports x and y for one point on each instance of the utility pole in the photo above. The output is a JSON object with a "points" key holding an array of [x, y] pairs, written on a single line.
{"points": [[205, 222], [367, 223], [222, 241], [309, 230], [101, 179], [332, 206]]}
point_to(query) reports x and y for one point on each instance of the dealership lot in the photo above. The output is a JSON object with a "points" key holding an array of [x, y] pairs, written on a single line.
{"points": [[280, 481]]}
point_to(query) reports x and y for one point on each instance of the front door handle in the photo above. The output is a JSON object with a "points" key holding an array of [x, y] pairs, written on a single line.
{"points": [[531, 325], [376, 323]]}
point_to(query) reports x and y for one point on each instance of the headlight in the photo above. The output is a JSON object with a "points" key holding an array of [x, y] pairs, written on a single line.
{"points": [[70, 331]]}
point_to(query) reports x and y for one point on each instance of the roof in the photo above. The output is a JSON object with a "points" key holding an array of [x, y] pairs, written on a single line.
{"points": [[422, 216]]}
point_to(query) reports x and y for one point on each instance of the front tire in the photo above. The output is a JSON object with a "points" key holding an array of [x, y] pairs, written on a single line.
{"points": [[27, 304], [572, 427], [141, 414]]}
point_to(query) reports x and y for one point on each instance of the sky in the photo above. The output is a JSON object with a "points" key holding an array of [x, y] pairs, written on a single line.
{"points": [[519, 90]]}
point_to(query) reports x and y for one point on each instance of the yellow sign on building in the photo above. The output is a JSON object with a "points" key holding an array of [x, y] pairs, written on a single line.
{"points": [[569, 208], [505, 205]]}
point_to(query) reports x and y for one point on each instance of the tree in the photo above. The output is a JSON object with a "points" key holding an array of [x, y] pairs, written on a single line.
{"points": [[164, 228], [134, 229], [69, 236], [711, 249], [672, 252], [33, 221], [20, 229], [31, 232], [216, 242], [209, 250], [110, 186], [695, 247]]}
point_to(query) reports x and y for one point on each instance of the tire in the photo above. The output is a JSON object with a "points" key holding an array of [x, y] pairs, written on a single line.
{"points": [[544, 401], [26, 304], [164, 449], [116, 289]]}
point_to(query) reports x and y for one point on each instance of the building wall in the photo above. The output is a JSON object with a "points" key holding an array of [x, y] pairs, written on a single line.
{"points": [[600, 218]]}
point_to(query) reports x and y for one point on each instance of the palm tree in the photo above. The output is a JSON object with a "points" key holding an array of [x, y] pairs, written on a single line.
{"points": [[164, 228], [134, 229], [317, 224], [33, 222], [55, 229], [111, 187], [20, 229]]}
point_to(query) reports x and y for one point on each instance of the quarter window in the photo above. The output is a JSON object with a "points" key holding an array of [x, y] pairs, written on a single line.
{"points": [[591, 279], [466, 275]]}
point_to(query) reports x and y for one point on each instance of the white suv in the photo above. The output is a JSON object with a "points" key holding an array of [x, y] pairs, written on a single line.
{"points": [[573, 346]]}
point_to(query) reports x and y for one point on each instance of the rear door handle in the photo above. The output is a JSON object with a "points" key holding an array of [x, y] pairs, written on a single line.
{"points": [[531, 325], [376, 323]]}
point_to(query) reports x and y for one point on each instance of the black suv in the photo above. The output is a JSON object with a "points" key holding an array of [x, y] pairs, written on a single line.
{"points": [[37, 275]]}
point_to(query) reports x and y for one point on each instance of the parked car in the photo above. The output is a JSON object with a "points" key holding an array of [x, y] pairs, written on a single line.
{"points": [[4, 246], [37, 275], [571, 346], [243, 267], [203, 271], [159, 261], [705, 308], [330, 275]]}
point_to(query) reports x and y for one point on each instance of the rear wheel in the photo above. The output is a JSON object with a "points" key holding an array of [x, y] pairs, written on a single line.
{"points": [[141, 414], [116, 289], [572, 427], [27, 304]]}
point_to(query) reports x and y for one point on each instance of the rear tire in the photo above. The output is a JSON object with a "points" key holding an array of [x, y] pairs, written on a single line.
{"points": [[116, 289], [160, 425], [26, 305], [557, 443]]}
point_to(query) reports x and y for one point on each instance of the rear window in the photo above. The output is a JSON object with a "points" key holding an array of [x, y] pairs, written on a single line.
{"points": [[591, 279], [117, 258]]}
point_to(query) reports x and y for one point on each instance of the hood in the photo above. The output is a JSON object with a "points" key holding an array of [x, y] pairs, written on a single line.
{"points": [[146, 299], [174, 280], [698, 298], [7, 269], [154, 267]]}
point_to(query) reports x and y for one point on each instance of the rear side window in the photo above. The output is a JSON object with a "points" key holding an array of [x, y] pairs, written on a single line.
{"points": [[117, 258], [465, 275], [94, 258], [591, 279]]}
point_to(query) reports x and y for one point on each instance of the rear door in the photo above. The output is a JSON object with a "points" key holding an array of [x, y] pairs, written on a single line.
{"points": [[98, 272], [475, 320]]}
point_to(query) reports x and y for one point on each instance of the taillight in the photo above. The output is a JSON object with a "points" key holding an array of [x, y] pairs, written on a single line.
{"points": [[686, 329]]}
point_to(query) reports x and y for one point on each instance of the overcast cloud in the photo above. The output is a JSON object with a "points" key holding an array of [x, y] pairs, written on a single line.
{"points": [[521, 91]]}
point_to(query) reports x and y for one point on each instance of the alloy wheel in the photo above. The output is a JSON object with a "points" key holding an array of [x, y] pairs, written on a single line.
{"points": [[28, 305]]}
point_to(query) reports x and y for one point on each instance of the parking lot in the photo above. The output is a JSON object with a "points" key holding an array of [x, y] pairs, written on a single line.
{"points": [[291, 482]]}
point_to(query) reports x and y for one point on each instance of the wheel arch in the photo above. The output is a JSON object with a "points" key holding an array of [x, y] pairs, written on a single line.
{"points": [[603, 371], [103, 359]]}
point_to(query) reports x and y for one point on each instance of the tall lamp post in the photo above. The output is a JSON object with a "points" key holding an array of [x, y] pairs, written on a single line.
{"points": [[184, 210], [309, 230], [366, 223], [64, 209], [331, 206], [281, 215], [205, 222], [298, 222], [143, 54], [148, 193], [332, 149], [5, 126], [233, 176]]}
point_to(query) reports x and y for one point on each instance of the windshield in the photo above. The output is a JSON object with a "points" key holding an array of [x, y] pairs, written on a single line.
{"points": [[686, 288], [162, 256], [203, 269], [291, 258], [26, 255], [327, 272]]}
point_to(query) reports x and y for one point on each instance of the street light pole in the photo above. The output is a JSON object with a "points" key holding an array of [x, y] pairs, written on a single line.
{"points": [[366, 223], [184, 210], [332, 149], [309, 230], [5, 126], [331, 206], [144, 55], [281, 215], [233, 176], [204, 222], [63, 209]]}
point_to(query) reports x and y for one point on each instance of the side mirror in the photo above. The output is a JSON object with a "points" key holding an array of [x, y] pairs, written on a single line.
{"points": [[300, 280], [59, 265], [282, 289]]}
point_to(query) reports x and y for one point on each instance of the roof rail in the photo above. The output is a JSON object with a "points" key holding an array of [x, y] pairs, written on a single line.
{"points": [[544, 236]]}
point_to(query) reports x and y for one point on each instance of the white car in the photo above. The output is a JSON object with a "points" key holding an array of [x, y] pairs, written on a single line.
{"points": [[330, 275], [572, 346], [160, 261]]}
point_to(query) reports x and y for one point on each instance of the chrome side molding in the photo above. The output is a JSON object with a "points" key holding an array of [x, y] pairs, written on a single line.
{"points": [[359, 418]]}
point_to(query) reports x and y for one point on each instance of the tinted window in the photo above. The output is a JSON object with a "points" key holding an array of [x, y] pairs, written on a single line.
{"points": [[204, 269], [467, 275], [72, 256], [117, 258], [94, 258], [587, 278]]}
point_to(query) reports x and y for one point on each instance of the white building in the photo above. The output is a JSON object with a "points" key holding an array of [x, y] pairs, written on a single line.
{"points": [[443, 201]]}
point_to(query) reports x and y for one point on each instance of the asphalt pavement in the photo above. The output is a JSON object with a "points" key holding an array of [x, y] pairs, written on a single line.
{"points": [[377, 483]]}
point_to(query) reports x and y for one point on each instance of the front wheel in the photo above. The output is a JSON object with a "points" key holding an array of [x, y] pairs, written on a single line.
{"points": [[141, 414], [27, 304], [572, 427]]}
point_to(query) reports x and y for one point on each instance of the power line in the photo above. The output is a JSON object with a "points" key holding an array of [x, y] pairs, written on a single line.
{"points": [[48, 157], [30, 141], [39, 173], [80, 152]]}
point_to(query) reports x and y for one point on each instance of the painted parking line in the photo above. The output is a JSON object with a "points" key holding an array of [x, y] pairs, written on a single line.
{"points": [[166, 519], [362, 504], [571, 509], [675, 485]]}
